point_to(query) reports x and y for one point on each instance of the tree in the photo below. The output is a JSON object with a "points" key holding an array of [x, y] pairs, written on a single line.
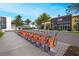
{"points": [[13, 21], [73, 8], [33, 23], [28, 21], [18, 21], [38, 21], [44, 17]]}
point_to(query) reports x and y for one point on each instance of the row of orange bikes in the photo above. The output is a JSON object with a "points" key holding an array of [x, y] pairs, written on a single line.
{"points": [[40, 39]]}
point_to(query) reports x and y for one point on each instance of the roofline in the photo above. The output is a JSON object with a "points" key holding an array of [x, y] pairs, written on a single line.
{"points": [[60, 16], [75, 16], [64, 16], [5, 16]]}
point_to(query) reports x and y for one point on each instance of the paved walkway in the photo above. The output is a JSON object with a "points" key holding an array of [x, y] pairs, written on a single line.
{"points": [[12, 44]]}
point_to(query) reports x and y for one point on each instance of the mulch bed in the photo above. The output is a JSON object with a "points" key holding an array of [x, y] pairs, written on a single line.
{"points": [[72, 51]]}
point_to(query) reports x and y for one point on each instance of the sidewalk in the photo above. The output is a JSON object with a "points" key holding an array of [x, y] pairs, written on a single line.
{"points": [[12, 44]]}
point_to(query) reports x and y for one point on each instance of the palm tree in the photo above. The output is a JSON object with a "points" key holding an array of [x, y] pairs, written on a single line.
{"points": [[42, 19], [18, 21], [27, 21]]}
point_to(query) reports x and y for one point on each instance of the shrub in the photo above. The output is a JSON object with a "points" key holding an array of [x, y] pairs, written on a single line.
{"points": [[1, 33]]}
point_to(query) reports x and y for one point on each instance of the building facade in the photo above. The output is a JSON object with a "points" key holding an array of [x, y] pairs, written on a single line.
{"points": [[75, 23], [67, 22], [2, 22], [5, 23]]}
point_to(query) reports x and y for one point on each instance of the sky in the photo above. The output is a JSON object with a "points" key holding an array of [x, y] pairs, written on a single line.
{"points": [[32, 10]]}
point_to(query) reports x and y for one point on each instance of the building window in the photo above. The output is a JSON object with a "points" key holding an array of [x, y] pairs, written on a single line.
{"points": [[2, 22]]}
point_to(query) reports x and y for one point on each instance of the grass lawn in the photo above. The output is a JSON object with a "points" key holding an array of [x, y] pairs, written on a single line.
{"points": [[74, 32], [1, 33]]}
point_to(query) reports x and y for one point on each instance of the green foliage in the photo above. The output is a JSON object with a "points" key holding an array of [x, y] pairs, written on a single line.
{"points": [[44, 17], [33, 23], [27, 27], [28, 21], [72, 8], [1, 33], [18, 21], [38, 21], [48, 26]]}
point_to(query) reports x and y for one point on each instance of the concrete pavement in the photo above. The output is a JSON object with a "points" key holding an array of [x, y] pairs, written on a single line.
{"points": [[12, 44]]}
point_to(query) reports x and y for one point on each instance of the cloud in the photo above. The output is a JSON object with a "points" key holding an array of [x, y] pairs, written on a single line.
{"points": [[32, 10], [19, 9]]}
